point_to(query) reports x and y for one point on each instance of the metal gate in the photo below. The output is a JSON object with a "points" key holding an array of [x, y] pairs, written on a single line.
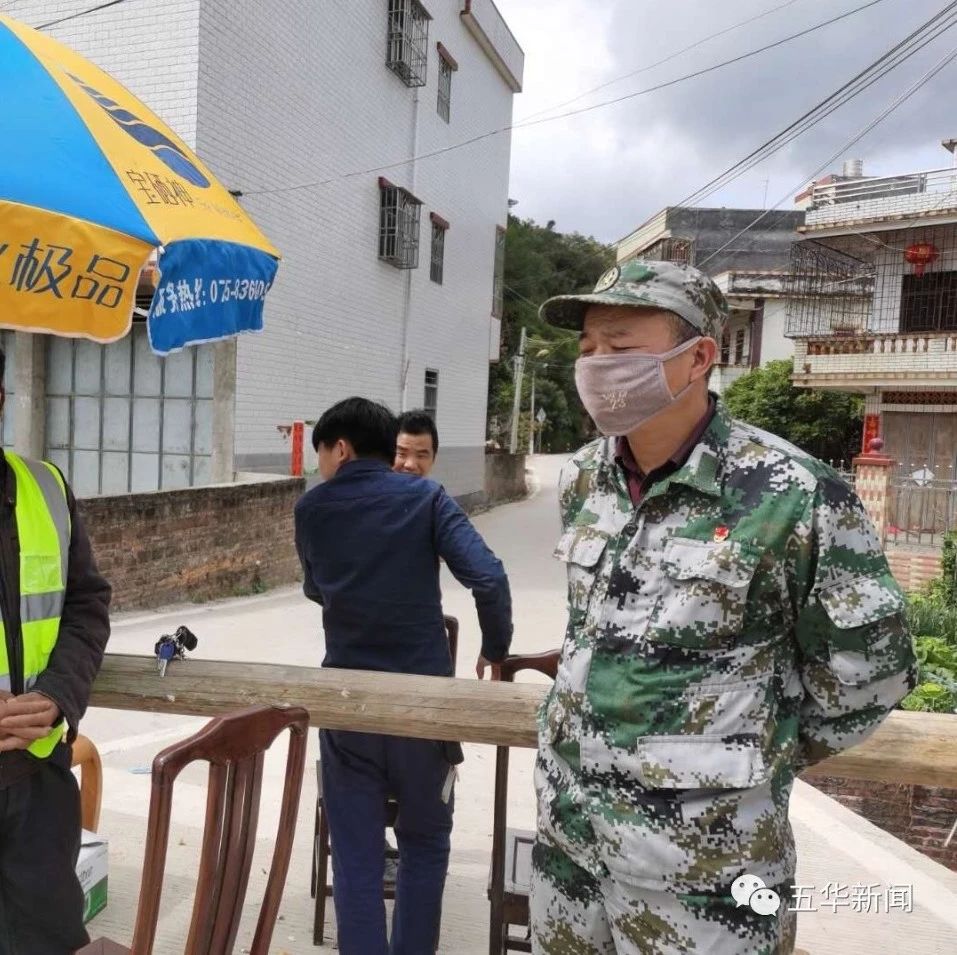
{"points": [[922, 507]]}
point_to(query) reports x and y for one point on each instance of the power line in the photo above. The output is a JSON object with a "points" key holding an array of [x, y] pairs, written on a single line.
{"points": [[901, 99], [910, 45], [661, 62], [78, 14], [933, 28], [550, 119]]}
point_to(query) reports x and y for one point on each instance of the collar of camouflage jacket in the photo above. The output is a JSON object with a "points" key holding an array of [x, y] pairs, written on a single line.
{"points": [[702, 471]]}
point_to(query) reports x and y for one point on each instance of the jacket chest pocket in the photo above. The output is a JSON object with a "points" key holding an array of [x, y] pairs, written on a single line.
{"points": [[581, 550], [703, 592], [40, 573]]}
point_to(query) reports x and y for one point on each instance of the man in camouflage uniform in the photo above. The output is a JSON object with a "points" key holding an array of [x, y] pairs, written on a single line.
{"points": [[732, 620]]}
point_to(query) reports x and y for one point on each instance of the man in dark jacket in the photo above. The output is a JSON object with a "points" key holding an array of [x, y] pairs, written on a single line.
{"points": [[55, 624], [370, 541]]}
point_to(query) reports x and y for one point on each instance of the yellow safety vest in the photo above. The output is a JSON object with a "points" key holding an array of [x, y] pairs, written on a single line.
{"points": [[43, 526]]}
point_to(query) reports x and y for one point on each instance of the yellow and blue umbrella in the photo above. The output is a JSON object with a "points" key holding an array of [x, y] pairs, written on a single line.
{"points": [[91, 183]]}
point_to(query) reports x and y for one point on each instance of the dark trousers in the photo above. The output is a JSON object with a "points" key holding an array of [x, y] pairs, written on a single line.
{"points": [[41, 902], [359, 772]]}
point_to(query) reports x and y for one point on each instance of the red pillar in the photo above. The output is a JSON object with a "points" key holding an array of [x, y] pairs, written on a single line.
{"points": [[298, 433]]}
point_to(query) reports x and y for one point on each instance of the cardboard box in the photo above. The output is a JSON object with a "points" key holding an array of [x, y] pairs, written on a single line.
{"points": [[91, 869]]}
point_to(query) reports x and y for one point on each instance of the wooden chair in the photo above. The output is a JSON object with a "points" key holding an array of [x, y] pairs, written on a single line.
{"points": [[234, 746], [321, 888], [511, 869], [87, 757]]}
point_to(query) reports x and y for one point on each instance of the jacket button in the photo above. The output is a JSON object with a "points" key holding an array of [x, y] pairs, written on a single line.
{"points": [[631, 528]]}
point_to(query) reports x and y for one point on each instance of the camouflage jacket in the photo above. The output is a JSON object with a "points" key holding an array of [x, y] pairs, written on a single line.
{"points": [[738, 625]]}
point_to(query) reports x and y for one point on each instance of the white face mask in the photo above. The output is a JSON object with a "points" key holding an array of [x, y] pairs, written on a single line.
{"points": [[623, 391]]}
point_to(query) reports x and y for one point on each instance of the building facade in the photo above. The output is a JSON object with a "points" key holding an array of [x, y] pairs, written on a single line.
{"points": [[872, 309], [750, 268], [349, 133]]}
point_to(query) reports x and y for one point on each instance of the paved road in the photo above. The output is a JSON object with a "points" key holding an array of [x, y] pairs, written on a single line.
{"points": [[283, 627]]}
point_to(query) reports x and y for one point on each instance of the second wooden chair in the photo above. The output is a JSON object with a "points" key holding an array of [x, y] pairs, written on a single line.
{"points": [[508, 884]]}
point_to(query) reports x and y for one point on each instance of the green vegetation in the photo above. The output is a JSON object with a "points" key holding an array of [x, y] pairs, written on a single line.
{"points": [[826, 424], [539, 263], [933, 621]]}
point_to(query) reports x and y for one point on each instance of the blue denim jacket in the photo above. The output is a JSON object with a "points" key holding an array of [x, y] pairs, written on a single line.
{"points": [[370, 542]]}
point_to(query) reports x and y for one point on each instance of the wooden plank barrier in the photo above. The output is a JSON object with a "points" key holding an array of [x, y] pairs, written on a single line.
{"points": [[917, 748]]}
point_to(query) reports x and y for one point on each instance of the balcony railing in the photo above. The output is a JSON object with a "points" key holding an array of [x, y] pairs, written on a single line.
{"points": [[925, 359], [921, 343], [918, 194]]}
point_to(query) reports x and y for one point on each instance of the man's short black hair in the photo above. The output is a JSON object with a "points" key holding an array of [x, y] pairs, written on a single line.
{"points": [[419, 421], [367, 425]]}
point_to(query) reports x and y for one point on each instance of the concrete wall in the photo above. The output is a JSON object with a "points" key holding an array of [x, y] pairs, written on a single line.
{"points": [[713, 229], [774, 345], [298, 92], [195, 544]]}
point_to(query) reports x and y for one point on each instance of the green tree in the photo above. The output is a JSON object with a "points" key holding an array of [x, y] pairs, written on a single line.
{"points": [[539, 263], [826, 424]]}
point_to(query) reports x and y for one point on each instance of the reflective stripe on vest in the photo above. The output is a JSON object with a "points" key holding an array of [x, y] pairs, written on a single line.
{"points": [[43, 526]]}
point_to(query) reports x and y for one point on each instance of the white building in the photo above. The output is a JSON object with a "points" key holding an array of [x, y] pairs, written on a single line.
{"points": [[749, 268], [390, 285]]}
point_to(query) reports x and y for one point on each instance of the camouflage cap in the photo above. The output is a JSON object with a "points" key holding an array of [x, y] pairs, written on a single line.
{"points": [[644, 283]]}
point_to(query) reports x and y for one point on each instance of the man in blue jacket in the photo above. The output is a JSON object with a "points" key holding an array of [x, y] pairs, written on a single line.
{"points": [[370, 541]]}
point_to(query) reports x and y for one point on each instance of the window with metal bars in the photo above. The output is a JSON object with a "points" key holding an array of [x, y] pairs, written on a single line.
{"points": [[674, 249], [437, 265], [399, 213], [929, 302], [725, 348], [408, 39], [430, 400], [739, 347], [498, 280]]}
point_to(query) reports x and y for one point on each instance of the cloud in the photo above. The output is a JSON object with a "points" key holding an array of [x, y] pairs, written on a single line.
{"points": [[606, 171]]}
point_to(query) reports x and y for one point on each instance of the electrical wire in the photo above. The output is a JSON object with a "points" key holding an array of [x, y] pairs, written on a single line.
{"points": [[913, 43], [661, 62], [576, 112], [929, 31], [887, 111], [78, 14]]}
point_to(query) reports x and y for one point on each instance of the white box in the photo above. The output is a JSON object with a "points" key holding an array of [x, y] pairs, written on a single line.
{"points": [[91, 869]]}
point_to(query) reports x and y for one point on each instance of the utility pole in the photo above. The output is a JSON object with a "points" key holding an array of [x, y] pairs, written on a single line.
{"points": [[531, 417], [519, 365]]}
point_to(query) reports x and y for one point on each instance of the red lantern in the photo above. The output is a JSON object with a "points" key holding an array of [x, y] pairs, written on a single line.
{"points": [[920, 255]]}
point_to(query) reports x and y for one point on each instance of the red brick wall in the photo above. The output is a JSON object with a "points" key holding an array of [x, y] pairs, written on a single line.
{"points": [[921, 816], [194, 544], [913, 567]]}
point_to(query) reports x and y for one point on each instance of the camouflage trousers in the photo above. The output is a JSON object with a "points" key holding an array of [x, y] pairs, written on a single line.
{"points": [[575, 913]]}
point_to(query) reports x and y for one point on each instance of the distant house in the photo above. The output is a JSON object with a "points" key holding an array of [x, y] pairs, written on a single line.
{"points": [[872, 309], [751, 269]]}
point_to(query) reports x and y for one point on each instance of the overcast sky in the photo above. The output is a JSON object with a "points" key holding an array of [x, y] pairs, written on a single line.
{"points": [[604, 172]]}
